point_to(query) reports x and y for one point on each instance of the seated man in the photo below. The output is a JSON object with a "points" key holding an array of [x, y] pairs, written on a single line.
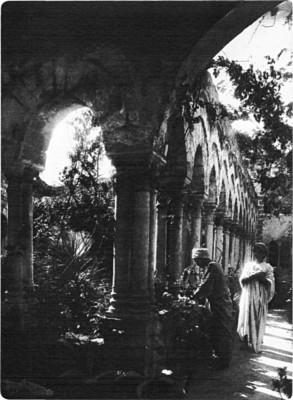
{"points": [[214, 287]]}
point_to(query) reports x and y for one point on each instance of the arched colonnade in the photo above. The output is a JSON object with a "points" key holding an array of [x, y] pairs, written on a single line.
{"points": [[178, 184]]}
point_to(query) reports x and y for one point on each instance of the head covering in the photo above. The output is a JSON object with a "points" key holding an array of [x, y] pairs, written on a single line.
{"points": [[261, 247], [200, 253]]}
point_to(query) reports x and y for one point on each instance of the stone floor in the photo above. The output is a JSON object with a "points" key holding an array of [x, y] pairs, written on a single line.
{"points": [[250, 375]]}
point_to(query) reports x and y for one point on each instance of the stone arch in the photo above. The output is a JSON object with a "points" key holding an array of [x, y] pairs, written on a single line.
{"points": [[246, 221], [216, 38], [215, 158], [236, 212], [204, 95], [222, 202], [176, 162], [100, 78], [233, 181], [242, 199], [230, 159], [220, 131], [198, 177], [212, 196], [240, 215], [230, 206], [225, 169]]}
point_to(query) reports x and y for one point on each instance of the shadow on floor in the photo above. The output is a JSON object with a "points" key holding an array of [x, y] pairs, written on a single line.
{"points": [[250, 375]]}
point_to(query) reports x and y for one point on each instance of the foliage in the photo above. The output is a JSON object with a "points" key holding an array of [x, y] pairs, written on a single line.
{"points": [[276, 228], [71, 290], [184, 330], [192, 104], [85, 202], [269, 149], [73, 238]]}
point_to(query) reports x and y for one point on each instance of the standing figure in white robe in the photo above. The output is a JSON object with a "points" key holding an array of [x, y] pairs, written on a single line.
{"points": [[258, 287]]}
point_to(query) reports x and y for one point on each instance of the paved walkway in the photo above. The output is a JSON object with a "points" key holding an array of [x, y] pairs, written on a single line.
{"points": [[250, 375]]}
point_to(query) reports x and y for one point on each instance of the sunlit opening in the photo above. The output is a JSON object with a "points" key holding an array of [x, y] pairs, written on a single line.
{"points": [[268, 36], [63, 143]]}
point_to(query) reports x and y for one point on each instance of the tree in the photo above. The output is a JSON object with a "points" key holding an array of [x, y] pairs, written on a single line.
{"points": [[269, 150], [84, 202], [73, 240]]}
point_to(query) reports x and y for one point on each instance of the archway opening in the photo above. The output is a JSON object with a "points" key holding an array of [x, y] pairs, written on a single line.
{"points": [[78, 128]]}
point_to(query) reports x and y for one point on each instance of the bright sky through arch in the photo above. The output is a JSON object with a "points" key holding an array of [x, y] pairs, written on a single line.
{"points": [[62, 144], [270, 35]]}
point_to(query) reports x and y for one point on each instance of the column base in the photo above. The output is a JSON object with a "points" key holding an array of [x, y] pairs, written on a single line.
{"points": [[130, 343], [128, 305]]}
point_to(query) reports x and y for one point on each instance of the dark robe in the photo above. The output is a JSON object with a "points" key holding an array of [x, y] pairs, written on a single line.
{"points": [[214, 287]]}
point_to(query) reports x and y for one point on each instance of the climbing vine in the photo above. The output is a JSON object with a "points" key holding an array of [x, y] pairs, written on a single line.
{"points": [[192, 103], [269, 149]]}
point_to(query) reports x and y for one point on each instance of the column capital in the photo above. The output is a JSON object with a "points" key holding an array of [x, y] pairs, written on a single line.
{"points": [[135, 180], [246, 235], [139, 168], [21, 171], [195, 198], [227, 223], [220, 216], [241, 231], [209, 211], [162, 200], [195, 203]]}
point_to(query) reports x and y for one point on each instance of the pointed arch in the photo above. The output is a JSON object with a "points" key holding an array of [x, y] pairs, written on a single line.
{"points": [[198, 177], [212, 196]]}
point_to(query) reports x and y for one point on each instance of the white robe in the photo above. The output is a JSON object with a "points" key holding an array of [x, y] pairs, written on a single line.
{"points": [[253, 306]]}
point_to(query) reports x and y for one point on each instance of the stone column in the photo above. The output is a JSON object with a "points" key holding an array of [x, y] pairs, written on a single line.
{"points": [[232, 246], [226, 234], [241, 247], [196, 221], [152, 242], [176, 212], [236, 250], [161, 240], [209, 212], [121, 290], [20, 244], [141, 257], [133, 277], [219, 248]]}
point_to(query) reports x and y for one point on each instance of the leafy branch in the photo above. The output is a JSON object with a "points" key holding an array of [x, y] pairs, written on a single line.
{"points": [[268, 150]]}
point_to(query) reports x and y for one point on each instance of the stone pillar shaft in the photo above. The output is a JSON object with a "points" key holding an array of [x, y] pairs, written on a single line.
{"points": [[122, 266], [219, 256], [20, 243], [232, 248], [226, 251], [176, 239], [14, 231], [209, 228], [135, 246], [236, 251], [152, 242], [141, 243], [131, 305], [196, 222], [162, 242]]}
